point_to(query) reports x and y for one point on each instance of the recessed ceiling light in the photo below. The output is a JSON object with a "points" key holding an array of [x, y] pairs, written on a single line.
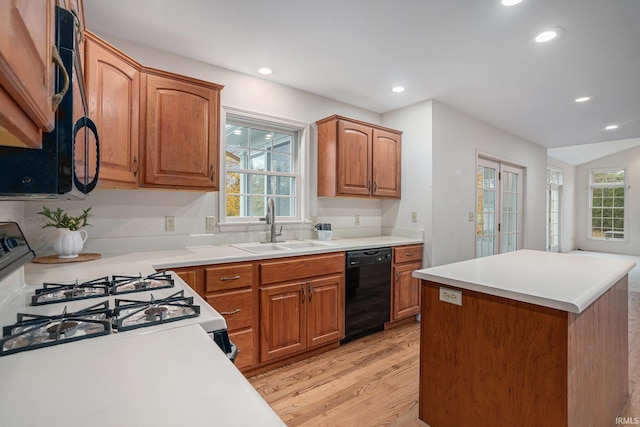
{"points": [[548, 35], [581, 99], [397, 89], [265, 71], [611, 127], [510, 2]]}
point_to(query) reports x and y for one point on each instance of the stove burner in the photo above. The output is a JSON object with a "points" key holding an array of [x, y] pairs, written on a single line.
{"points": [[126, 284], [65, 328], [132, 314], [57, 292], [35, 331], [156, 313]]}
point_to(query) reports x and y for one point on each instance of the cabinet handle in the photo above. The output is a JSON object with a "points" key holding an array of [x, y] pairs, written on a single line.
{"points": [[224, 279], [375, 186], [213, 170], [409, 254], [369, 185], [135, 166], [57, 98], [304, 293], [310, 292], [397, 276], [227, 313]]}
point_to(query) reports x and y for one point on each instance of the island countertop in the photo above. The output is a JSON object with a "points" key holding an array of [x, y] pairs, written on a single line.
{"points": [[562, 281]]}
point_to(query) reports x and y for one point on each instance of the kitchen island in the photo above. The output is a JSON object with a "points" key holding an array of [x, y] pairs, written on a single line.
{"points": [[526, 338]]}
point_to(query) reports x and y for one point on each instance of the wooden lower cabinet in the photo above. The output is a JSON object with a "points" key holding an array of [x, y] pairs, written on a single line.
{"points": [[406, 292], [301, 304], [405, 289], [300, 315], [230, 290]]}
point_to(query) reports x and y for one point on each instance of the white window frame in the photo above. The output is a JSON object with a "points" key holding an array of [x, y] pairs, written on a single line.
{"points": [[300, 157], [590, 206]]}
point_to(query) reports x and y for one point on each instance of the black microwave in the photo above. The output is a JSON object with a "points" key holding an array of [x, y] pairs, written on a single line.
{"points": [[67, 166]]}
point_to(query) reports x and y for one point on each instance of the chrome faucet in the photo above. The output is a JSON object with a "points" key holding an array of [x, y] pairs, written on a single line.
{"points": [[271, 220]]}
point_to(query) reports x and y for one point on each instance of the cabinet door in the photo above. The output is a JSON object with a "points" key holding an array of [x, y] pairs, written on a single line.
{"points": [[245, 342], [386, 161], [192, 277], [113, 86], [26, 69], [282, 320], [182, 134], [406, 291], [354, 158], [325, 310]]}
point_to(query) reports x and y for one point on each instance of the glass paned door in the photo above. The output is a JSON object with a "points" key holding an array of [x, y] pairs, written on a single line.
{"points": [[498, 208], [486, 208], [554, 195]]}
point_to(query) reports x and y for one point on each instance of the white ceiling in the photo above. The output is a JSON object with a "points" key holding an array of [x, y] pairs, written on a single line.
{"points": [[476, 56]]}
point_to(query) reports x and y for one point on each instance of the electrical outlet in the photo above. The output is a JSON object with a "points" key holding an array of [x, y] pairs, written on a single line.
{"points": [[357, 219], [414, 216], [451, 296], [169, 223], [210, 223], [471, 216]]}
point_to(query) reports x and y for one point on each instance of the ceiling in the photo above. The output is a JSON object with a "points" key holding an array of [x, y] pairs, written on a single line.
{"points": [[476, 56]]}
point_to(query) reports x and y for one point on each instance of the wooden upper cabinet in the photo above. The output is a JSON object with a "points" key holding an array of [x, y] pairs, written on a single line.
{"points": [[354, 160], [358, 159], [26, 70], [182, 140], [113, 91], [387, 160]]}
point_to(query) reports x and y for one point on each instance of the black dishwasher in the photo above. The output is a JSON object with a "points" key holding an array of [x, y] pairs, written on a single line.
{"points": [[367, 292]]}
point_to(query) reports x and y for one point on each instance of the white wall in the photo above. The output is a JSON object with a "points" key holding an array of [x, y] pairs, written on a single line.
{"points": [[629, 159], [416, 123], [12, 211], [457, 138], [567, 204]]}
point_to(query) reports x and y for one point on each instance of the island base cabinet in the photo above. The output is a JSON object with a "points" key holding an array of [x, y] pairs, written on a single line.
{"points": [[496, 362]]}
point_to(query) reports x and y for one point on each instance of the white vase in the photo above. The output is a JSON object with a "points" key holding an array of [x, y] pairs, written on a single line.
{"points": [[69, 243]]}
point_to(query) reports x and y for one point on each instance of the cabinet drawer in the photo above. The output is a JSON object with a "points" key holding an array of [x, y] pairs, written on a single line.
{"points": [[244, 340], [228, 277], [235, 306], [302, 267], [407, 253]]}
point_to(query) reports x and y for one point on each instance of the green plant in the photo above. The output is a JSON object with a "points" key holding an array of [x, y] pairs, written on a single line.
{"points": [[60, 219]]}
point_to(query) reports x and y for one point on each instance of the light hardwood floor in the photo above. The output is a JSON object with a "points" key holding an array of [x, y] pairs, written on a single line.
{"points": [[374, 381]]}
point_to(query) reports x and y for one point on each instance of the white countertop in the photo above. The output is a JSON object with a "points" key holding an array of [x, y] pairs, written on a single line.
{"points": [[145, 262], [561, 281], [175, 377]]}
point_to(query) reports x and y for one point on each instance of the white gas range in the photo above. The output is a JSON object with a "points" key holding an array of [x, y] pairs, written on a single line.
{"points": [[82, 341]]}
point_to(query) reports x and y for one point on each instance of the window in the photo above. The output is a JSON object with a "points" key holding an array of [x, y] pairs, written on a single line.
{"points": [[607, 193], [261, 161]]}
